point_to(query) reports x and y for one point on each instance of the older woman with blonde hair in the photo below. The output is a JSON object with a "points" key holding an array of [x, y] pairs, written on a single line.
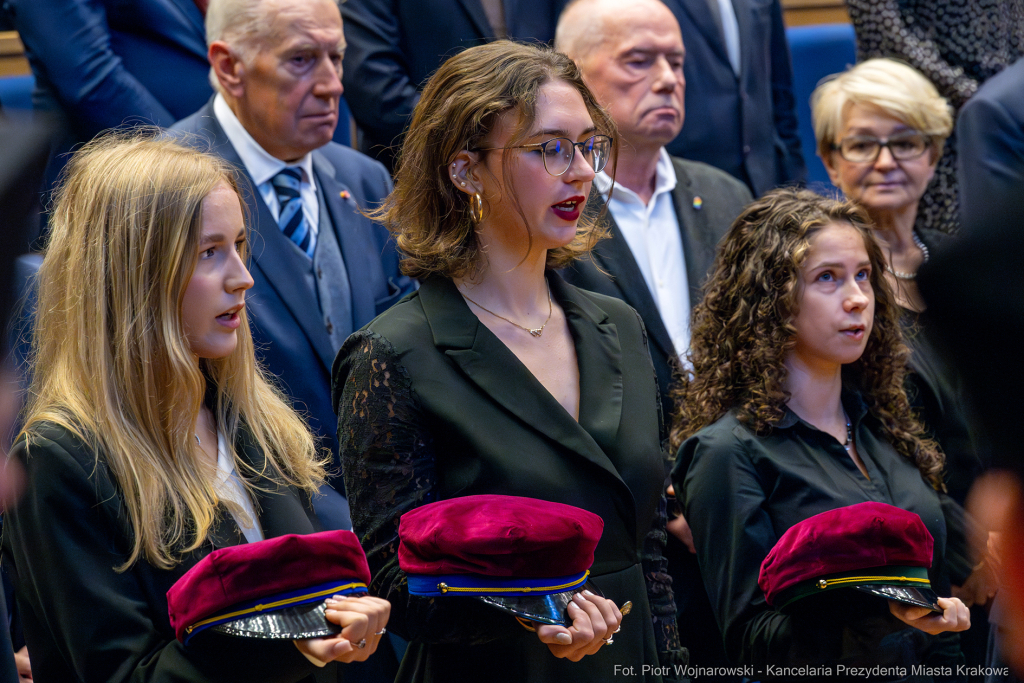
{"points": [[151, 434], [880, 127]]}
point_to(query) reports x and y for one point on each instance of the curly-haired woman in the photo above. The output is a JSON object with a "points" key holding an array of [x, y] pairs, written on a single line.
{"points": [[796, 406]]}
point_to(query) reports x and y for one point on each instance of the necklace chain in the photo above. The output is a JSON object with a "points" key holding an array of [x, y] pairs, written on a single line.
{"points": [[849, 435], [899, 274], [536, 331]]}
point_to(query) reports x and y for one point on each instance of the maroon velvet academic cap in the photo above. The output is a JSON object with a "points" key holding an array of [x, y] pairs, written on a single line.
{"points": [[873, 547], [522, 555], [269, 589]]}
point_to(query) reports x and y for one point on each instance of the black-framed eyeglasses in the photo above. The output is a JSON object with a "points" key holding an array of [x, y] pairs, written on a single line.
{"points": [[558, 153], [865, 148]]}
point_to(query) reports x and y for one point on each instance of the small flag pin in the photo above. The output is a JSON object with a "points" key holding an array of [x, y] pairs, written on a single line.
{"points": [[698, 203], [345, 195]]}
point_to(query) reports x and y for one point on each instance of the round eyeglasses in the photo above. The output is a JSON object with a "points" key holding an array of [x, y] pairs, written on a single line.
{"points": [[558, 153], [865, 148]]}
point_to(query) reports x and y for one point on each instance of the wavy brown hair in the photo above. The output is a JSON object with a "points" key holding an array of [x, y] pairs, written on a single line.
{"points": [[459, 106], [742, 330], [110, 361]]}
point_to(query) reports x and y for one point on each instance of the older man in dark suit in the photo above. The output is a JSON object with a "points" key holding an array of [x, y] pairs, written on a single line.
{"points": [[321, 269], [666, 214], [665, 217]]}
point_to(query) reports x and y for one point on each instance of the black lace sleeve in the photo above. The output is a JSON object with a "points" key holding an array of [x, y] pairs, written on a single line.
{"points": [[387, 456], [390, 467], [655, 565]]}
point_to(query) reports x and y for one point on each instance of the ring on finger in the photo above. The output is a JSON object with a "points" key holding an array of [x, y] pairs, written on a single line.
{"points": [[381, 632], [361, 644], [609, 641]]}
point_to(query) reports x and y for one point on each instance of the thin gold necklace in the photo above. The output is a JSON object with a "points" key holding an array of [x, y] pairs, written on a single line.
{"points": [[536, 331]]}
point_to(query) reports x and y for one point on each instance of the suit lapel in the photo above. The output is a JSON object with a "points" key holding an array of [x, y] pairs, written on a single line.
{"points": [[695, 233], [489, 364], [616, 258], [273, 254], [478, 17], [699, 12], [354, 242]]}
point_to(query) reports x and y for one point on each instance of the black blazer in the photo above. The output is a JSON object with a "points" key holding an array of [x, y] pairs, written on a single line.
{"points": [[722, 199], [85, 621], [432, 405]]}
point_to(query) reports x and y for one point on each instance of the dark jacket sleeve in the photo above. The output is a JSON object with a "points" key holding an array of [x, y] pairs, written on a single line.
{"points": [[792, 168], [389, 463], [85, 620], [990, 161], [378, 87], [70, 40]]}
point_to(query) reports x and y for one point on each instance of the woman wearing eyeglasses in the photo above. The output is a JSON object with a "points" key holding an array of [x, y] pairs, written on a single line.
{"points": [[880, 128], [496, 377]]}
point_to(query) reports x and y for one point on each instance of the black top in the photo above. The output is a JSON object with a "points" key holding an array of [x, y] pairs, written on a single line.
{"points": [[432, 405], [935, 389], [742, 491]]}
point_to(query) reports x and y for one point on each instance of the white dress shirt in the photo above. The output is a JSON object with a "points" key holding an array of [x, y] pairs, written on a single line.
{"points": [[262, 167], [652, 232], [229, 488]]}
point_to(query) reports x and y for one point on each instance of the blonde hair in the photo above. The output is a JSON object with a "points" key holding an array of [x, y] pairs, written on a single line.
{"points": [[897, 89], [110, 361], [459, 106]]}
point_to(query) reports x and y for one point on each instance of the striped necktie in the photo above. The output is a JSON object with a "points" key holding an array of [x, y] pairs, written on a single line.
{"points": [[291, 219]]}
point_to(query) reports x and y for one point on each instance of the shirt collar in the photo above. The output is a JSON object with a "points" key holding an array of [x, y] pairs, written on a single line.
{"points": [[854, 405], [260, 164], [664, 181]]}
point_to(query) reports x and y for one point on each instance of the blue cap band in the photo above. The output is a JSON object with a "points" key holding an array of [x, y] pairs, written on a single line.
{"points": [[470, 584]]}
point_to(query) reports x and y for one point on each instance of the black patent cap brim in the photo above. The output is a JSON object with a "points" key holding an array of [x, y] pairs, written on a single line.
{"points": [[544, 609], [293, 623], [908, 595]]}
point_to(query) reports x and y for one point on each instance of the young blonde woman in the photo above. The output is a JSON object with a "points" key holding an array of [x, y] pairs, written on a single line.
{"points": [[151, 435]]}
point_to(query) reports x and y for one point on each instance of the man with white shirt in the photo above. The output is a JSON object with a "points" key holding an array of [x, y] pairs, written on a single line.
{"points": [[665, 218], [321, 269], [666, 214]]}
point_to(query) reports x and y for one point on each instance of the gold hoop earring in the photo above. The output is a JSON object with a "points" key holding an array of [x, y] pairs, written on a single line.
{"points": [[476, 208]]}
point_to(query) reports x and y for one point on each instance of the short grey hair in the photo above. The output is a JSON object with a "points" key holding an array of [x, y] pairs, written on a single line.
{"points": [[242, 24]]}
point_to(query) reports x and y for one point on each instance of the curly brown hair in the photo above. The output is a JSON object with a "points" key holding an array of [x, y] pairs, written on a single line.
{"points": [[459, 106], [742, 330]]}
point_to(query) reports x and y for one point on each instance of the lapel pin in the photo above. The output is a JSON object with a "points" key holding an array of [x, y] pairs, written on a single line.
{"points": [[344, 194], [698, 203]]}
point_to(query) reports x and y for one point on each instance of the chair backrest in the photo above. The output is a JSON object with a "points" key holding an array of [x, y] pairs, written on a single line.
{"points": [[818, 51], [16, 92]]}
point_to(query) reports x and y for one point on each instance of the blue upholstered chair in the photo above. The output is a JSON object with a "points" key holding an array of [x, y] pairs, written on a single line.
{"points": [[818, 51]]}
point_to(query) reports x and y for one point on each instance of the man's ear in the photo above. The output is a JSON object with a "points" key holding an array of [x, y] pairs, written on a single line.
{"points": [[228, 68]]}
